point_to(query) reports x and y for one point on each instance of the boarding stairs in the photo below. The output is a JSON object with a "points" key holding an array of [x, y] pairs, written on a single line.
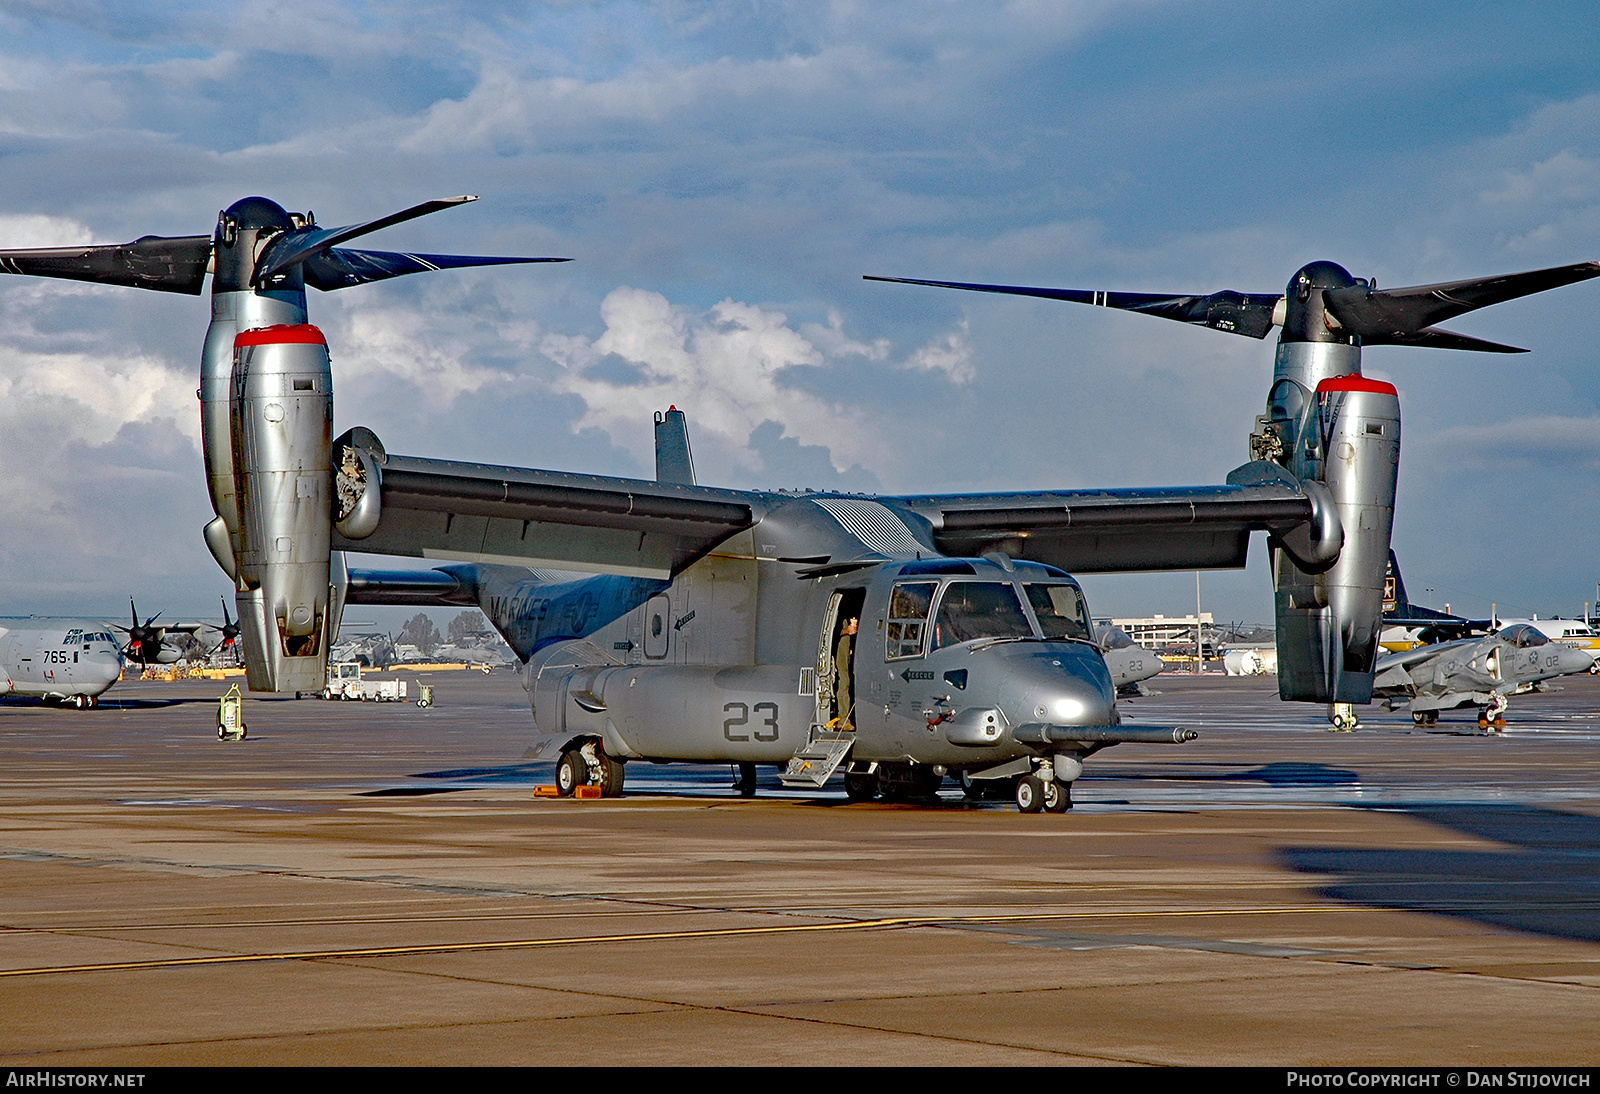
{"points": [[824, 750]]}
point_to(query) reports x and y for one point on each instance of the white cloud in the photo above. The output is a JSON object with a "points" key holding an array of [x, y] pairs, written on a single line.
{"points": [[91, 396], [404, 343], [35, 230], [950, 354], [722, 367], [1565, 441]]}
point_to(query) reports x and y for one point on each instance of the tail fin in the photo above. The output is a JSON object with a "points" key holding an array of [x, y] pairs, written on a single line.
{"points": [[1395, 601], [674, 463]]}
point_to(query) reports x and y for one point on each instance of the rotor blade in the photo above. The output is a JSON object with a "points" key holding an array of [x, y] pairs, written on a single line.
{"points": [[1249, 314], [163, 263], [1434, 338], [299, 244], [340, 267], [1392, 316]]}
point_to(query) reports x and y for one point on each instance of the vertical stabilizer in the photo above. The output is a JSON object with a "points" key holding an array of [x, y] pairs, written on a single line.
{"points": [[673, 461]]}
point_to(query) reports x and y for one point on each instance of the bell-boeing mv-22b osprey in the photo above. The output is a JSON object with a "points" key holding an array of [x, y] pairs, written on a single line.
{"points": [[904, 638]]}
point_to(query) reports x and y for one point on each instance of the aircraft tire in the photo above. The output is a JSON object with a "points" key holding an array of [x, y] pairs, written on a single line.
{"points": [[571, 773], [611, 776], [860, 786], [1030, 794], [1057, 796], [745, 781]]}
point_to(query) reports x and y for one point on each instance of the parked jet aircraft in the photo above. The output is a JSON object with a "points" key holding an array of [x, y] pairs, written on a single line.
{"points": [[1126, 660], [1482, 672], [60, 660], [716, 626]]}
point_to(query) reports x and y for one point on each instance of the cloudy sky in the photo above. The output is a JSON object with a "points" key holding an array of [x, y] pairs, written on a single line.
{"points": [[723, 173]]}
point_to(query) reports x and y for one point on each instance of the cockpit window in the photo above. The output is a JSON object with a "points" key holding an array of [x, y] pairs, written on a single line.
{"points": [[1061, 611], [1112, 638], [979, 609], [908, 618], [1523, 636]]}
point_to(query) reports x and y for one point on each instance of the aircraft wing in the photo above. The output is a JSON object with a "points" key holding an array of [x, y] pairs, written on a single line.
{"points": [[1107, 531], [1407, 658], [465, 512]]}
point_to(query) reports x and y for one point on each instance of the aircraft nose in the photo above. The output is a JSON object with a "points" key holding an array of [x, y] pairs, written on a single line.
{"points": [[1574, 660], [1057, 684]]}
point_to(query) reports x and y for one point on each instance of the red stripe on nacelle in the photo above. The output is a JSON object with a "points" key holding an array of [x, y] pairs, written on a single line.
{"points": [[1355, 382], [300, 334]]}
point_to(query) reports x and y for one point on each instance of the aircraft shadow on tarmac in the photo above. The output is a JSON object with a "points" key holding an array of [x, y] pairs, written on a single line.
{"points": [[107, 703], [1276, 775], [1546, 880]]}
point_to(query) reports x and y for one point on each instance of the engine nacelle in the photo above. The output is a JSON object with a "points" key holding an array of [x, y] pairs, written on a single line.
{"points": [[281, 413], [1328, 623]]}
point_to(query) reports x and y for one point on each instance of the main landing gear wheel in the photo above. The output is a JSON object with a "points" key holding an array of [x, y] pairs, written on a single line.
{"points": [[1030, 794], [611, 776], [1057, 796], [860, 786], [745, 780], [1425, 717], [572, 771]]}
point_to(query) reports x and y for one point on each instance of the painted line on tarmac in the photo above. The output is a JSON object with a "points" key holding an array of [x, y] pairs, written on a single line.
{"points": [[896, 922]]}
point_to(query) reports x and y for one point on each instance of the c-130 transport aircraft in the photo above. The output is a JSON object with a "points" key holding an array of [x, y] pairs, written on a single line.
{"points": [[667, 621]]}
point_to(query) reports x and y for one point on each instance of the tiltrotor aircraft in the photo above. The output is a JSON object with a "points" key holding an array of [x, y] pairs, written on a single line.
{"points": [[70, 661], [1332, 431], [1482, 672], [907, 637]]}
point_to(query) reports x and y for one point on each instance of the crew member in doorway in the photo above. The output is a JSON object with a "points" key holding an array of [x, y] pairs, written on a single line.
{"points": [[843, 657]]}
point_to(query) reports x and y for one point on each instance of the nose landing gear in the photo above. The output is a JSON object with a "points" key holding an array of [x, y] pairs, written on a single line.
{"points": [[588, 766], [1042, 791]]}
